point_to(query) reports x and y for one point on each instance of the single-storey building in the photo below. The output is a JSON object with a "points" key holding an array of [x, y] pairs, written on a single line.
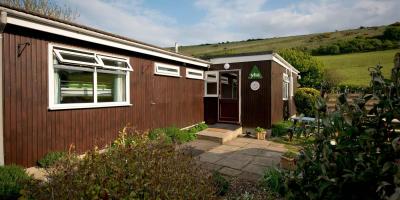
{"points": [[64, 84], [253, 89]]}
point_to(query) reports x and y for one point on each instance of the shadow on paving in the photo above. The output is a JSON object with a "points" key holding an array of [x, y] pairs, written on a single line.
{"points": [[244, 158]]}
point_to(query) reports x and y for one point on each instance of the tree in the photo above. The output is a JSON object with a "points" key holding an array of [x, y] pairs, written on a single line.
{"points": [[310, 68], [48, 8], [392, 33]]}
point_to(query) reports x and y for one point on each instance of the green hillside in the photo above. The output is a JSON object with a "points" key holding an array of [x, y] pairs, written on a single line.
{"points": [[352, 69], [306, 42]]}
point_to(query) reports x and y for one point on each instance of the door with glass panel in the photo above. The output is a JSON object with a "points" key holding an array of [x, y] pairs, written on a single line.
{"points": [[228, 99]]}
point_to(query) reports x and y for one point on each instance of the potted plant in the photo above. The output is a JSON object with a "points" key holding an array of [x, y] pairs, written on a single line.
{"points": [[260, 133], [288, 160]]}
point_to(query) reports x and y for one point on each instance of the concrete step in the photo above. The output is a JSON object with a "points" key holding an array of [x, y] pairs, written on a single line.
{"points": [[220, 133]]}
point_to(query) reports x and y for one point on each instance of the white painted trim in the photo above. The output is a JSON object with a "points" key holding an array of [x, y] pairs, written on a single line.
{"points": [[101, 57], [71, 106], [50, 26], [237, 59], [240, 95], [191, 76], [63, 60], [157, 71], [206, 80], [95, 104]]}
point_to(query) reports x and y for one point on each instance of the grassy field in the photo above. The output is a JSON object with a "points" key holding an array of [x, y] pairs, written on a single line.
{"points": [[353, 68], [311, 41]]}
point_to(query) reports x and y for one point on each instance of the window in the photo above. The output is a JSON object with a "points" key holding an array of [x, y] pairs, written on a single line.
{"points": [[194, 74], [86, 80], [166, 70], [115, 63], [285, 87], [211, 84], [76, 57]]}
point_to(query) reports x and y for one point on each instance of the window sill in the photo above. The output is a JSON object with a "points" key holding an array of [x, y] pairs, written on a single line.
{"points": [[87, 105], [163, 74]]}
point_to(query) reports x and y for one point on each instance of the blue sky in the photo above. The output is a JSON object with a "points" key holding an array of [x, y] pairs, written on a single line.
{"points": [[164, 22]]}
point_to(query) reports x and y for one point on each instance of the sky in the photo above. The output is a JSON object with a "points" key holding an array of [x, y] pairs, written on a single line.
{"points": [[190, 22]]}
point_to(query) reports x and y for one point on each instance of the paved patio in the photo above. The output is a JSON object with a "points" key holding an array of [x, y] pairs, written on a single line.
{"points": [[241, 157]]}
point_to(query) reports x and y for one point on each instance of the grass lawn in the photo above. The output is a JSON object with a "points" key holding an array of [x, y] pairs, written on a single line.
{"points": [[353, 68]]}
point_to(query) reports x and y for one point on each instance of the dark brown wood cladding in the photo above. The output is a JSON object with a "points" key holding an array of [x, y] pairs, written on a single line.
{"points": [[276, 93], [256, 105], [31, 130], [211, 110]]}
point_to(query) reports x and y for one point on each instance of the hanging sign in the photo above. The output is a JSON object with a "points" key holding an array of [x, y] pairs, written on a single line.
{"points": [[255, 73]]}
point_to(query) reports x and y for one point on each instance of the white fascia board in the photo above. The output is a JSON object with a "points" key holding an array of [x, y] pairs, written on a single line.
{"points": [[237, 59], [58, 28]]}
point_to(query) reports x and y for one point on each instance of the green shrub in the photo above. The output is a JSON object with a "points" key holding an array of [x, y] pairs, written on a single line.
{"points": [[51, 158], [392, 33], [310, 67], [273, 180], [355, 155], [12, 179], [281, 128], [220, 183], [290, 154], [176, 135], [134, 168], [305, 99]]}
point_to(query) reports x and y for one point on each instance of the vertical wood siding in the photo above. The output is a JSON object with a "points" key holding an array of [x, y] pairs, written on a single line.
{"points": [[256, 105], [31, 130]]}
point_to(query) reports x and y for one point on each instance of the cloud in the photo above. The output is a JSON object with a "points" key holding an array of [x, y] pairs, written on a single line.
{"points": [[234, 19]]}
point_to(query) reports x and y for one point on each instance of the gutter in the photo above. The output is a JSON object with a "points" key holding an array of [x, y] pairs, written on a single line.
{"points": [[74, 31], [3, 23]]}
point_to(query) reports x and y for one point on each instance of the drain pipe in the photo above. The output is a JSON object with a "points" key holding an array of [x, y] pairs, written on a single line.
{"points": [[3, 22]]}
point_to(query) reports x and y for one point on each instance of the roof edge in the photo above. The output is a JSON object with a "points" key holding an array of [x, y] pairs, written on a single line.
{"points": [[71, 30]]}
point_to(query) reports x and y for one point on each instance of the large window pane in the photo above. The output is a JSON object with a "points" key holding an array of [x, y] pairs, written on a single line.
{"points": [[111, 87], [73, 86]]}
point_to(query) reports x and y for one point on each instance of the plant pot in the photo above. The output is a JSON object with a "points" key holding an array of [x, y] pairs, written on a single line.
{"points": [[261, 135], [288, 163], [268, 135]]}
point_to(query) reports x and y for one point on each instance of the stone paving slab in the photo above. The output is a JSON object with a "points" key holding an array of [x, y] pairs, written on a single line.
{"points": [[254, 168], [229, 171], [245, 158]]}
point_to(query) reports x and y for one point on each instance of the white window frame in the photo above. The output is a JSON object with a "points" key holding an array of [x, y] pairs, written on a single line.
{"points": [[167, 73], [191, 76], [116, 59], [285, 86], [206, 80], [58, 52], [95, 104]]}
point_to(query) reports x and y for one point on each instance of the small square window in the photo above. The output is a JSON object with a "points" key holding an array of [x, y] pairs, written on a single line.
{"points": [[211, 84]]}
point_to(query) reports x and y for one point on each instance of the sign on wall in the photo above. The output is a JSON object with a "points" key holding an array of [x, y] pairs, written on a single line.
{"points": [[255, 85], [255, 73]]}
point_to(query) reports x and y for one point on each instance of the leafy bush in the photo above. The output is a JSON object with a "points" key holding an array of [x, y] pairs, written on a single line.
{"points": [[392, 33], [310, 68], [281, 128], [134, 168], [305, 99], [51, 158], [176, 135], [356, 153], [12, 179], [220, 183], [273, 180]]}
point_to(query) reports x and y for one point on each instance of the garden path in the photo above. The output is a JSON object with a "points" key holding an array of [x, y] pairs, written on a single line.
{"points": [[242, 157]]}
